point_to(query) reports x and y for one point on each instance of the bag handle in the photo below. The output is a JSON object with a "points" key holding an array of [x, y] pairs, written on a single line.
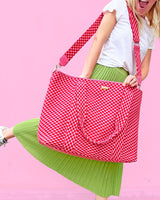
{"points": [[90, 32], [121, 117]]}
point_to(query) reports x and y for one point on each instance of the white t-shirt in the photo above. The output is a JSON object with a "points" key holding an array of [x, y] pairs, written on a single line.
{"points": [[118, 51]]}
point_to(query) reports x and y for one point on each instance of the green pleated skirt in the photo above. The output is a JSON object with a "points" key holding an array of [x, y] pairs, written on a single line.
{"points": [[100, 177]]}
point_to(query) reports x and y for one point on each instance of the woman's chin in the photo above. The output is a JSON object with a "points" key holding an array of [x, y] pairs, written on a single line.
{"points": [[141, 13]]}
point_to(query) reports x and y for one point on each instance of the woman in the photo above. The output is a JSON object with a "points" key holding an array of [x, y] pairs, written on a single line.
{"points": [[110, 58]]}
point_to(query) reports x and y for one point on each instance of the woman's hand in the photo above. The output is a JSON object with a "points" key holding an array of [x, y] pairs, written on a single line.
{"points": [[83, 76], [131, 80]]}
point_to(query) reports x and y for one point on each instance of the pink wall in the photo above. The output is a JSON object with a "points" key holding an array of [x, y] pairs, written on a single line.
{"points": [[34, 34]]}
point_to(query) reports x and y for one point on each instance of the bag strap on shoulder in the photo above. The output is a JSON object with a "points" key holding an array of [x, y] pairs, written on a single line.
{"points": [[92, 30]]}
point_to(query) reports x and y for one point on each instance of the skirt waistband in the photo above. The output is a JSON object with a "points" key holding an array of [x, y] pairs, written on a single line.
{"points": [[102, 72]]}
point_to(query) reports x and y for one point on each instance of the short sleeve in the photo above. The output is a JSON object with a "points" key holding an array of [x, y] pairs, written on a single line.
{"points": [[117, 5], [151, 40]]}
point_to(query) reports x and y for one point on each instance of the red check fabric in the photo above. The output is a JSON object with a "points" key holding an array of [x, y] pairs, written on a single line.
{"points": [[91, 118]]}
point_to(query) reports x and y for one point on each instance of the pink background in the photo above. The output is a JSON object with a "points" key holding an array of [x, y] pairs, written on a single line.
{"points": [[34, 34]]}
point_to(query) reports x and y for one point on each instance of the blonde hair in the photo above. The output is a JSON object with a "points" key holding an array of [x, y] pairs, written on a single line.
{"points": [[153, 16]]}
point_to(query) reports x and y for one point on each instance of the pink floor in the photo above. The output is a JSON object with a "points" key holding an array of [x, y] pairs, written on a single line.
{"points": [[67, 195]]}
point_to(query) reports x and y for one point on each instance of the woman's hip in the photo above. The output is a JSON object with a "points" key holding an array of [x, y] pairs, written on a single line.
{"points": [[102, 72]]}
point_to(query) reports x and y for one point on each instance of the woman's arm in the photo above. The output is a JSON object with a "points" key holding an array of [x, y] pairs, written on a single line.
{"points": [[104, 30], [145, 64], [130, 80]]}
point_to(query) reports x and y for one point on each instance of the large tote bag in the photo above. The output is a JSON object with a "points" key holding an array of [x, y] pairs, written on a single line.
{"points": [[91, 118]]}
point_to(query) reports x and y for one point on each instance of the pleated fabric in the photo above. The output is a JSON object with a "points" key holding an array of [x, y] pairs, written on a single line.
{"points": [[100, 177]]}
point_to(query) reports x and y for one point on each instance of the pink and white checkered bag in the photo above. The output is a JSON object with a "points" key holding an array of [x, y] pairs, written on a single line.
{"points": [[91, 118]]}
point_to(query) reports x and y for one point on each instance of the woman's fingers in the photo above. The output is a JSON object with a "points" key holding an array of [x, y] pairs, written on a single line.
{"points": [[130, 80]]}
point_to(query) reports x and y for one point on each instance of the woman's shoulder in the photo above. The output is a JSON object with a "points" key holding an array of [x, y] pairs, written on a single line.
{"points": [[149, 32], [147, 28], [118, 5]]}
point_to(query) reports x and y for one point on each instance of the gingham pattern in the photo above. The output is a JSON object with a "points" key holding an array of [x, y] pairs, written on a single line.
{"points": [[82, 40], [134, 27], [91, 118]]}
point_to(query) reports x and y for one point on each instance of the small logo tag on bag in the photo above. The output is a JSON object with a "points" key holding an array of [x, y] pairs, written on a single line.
{"points": [[104, 87]]}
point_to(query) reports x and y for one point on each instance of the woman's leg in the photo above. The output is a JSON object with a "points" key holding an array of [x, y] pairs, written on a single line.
{"points": [[67, 165], [100, 198], [8, 133]]}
